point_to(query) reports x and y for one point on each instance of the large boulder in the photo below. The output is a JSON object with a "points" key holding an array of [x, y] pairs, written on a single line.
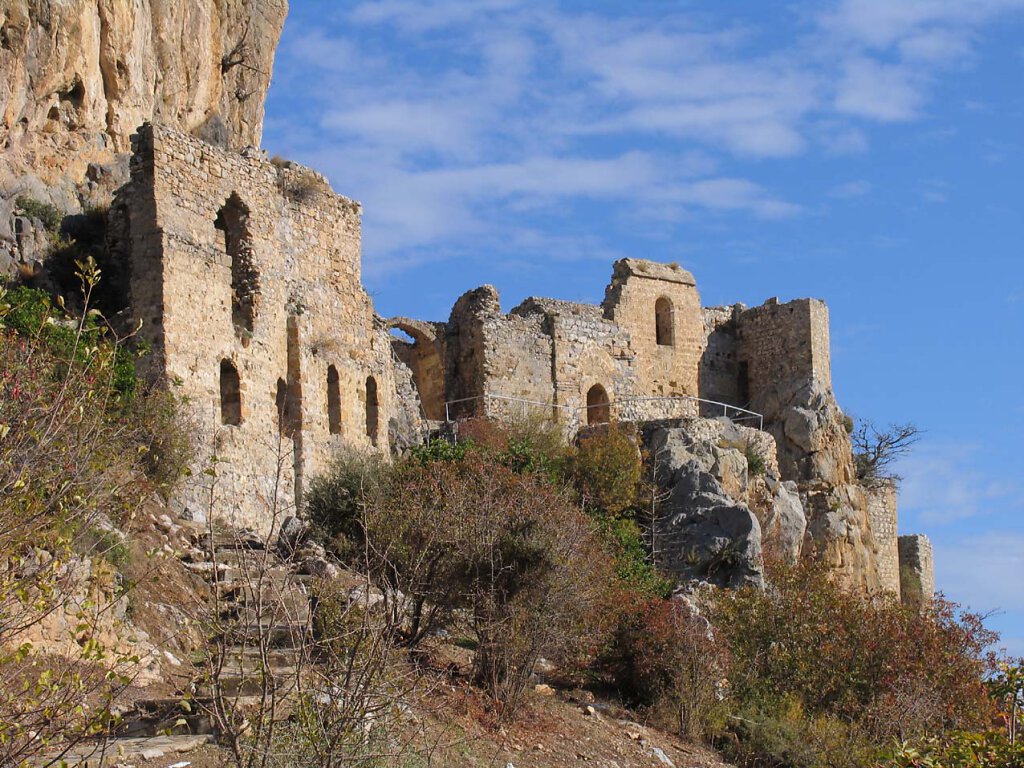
{"points": [[703, 535]]}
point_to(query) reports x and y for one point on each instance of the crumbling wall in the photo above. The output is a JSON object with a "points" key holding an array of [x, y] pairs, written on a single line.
{"points": [[313, 331], [786, 350], [587, 351], [882, 513], [719, 373], [917, 569], [663, 366]]}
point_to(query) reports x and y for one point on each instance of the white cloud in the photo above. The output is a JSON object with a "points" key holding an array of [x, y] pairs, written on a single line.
{"points": [[943, 483], [447, 118], [883, 92], [983, 573], [850, 189]]}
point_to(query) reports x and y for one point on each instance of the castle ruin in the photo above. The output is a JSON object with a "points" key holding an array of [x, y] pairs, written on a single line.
{"points": [[245, 276]]}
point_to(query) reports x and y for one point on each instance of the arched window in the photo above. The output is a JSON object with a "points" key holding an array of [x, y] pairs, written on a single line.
{"points": [[233, 221], [598, 407], [372, 410], [664, 329], [333, 401], [230, 394]]}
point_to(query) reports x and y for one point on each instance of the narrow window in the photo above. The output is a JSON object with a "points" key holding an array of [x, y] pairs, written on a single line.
{"points": [[230, 394], [233, 221], [743, 384], [333, 401], [663, 326], [372, 409], [598, 407], [281, 401]]}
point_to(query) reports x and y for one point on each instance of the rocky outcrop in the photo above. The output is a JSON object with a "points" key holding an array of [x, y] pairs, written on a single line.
{"points": [[742, 461], [79, 76], [704, 535]]}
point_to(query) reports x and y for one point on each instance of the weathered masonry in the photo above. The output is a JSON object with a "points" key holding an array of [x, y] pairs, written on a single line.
{"points": [[246, 278]]}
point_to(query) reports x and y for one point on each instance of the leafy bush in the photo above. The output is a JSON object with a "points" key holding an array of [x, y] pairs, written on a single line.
{"points": [[665, 658], [336, 500], [632, 565], [508, 547], [50, 216], [606, 468], [71, 457], [755, 461], [904, 673]]}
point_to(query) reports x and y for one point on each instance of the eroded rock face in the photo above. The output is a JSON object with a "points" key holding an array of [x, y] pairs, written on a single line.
{"points": [[724, 451], [81, 75], [706, 536]]}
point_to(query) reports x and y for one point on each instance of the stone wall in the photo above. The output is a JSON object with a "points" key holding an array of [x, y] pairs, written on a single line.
{"points": [[917, 569], [238, 263], [719, 368], [785, 351], [665, 365], [882, 516]]}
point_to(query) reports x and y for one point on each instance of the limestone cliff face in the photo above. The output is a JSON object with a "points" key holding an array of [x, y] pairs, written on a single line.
{"points": [[79, 76]]}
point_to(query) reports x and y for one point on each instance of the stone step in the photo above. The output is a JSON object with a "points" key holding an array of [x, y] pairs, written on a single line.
{"points": [[236, 684], [283, 635], [249, 657], [119, 751], [268, 614], [223, 541], [164, 716]]}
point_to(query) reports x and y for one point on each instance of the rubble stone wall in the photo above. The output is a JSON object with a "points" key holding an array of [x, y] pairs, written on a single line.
{"points": [[311, 318], [719, 369], [785, 348], [917, 569], [882, 514], [631, 299]]}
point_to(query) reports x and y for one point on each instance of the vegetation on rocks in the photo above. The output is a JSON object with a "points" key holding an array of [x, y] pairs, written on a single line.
{"points": [[77, 435]]}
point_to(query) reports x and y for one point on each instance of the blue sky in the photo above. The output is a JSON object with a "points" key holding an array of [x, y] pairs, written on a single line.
{"points": [[866, 152]]}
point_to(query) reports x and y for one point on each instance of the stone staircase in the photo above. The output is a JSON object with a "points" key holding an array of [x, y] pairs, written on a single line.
{"points": [[258, 617]]}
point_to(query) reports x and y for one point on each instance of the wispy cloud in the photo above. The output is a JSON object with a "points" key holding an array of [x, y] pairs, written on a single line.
{"points": [[851, 189], [944, 483], [446, 118], [982, 572]]}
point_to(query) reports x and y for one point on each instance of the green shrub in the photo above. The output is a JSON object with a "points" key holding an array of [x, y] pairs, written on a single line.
{"points": [[781, 733], [606, 468], [336, 501], [755, 461], [904, 673], [632, 563], [440, 450], [49, 215]]}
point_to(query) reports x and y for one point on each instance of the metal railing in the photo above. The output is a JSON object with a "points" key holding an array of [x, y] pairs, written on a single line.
{"points": [[621, 408]]}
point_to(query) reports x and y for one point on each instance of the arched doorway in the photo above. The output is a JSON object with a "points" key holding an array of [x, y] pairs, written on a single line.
{"points": [[598, 406]]}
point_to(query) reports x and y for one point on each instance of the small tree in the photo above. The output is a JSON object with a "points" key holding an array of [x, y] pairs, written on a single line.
{"points": [[875, 451]]}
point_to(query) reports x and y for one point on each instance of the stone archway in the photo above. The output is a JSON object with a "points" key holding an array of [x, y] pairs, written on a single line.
{"points": [[424, 357], [599, 409]]}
